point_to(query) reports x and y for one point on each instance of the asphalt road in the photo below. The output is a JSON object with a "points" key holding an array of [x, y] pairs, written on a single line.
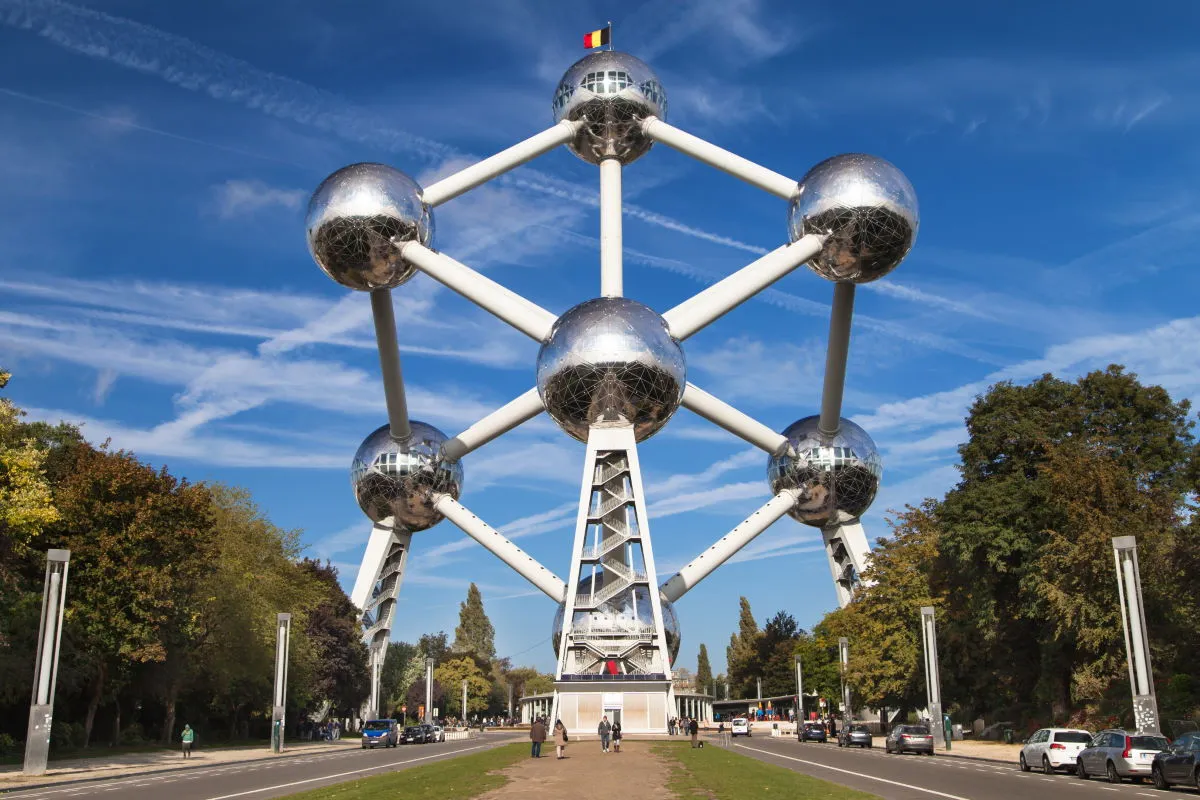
{"points": [[256, 780], [912, 777]]}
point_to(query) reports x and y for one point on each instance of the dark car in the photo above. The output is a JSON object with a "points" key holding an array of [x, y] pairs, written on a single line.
{"points": [[413, 734], [813, 732], [1179, 764], [380, 733], [854, 736], [431, 732], [909, 739]]}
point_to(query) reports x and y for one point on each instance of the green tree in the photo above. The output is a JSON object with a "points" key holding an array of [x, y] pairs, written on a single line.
{"points": [[392, 686], [704, 676], [26, 500], [434, 646], [474, 634], [341, 675], [776, 655], [742, 656], [451, 674]]}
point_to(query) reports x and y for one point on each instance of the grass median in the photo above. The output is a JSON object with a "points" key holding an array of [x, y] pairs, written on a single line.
{"points": [[460, 777], [714, 772]]}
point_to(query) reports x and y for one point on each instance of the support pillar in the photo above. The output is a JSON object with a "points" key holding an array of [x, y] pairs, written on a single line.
{"points": [[933, 681], [45, 673], [283, 631], [1137, 643]]}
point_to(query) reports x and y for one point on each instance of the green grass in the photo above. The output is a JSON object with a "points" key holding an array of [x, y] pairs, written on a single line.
{"points": [[458, 778], [714, 773]]}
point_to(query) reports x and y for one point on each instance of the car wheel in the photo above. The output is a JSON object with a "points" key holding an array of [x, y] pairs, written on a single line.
{"points": [[1081, 770], [1159, 781], [1046, 768], [1024, 764], [1113, 777], [364, 747]]}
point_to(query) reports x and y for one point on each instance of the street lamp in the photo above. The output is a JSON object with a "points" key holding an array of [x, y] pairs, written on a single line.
{"points": [[933, 681], [45, 672], [844, 658], [283, 630], [1137, 643]]}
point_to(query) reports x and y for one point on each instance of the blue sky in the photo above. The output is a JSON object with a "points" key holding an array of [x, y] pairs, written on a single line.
{"points": [[155, 160]]}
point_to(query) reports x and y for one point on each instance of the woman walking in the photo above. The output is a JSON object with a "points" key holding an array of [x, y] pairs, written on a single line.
{"points": [[616, 737], [560, 737]]}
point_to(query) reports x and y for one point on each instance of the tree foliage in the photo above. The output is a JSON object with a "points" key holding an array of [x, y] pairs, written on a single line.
{"points": [[451, 675], [704, 676], [474, 635]]}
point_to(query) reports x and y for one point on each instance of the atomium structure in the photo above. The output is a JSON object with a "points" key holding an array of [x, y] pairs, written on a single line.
{"points": [[611, 373]]}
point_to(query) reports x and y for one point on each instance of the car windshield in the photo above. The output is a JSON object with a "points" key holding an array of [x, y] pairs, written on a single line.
{"points": [[412, 729], [860, 729], [1149, 743], [1073, 737], [915, 730], [376, 725]]}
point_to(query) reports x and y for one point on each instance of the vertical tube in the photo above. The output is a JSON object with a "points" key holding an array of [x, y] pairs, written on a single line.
{"points": [[41, 706], [46, 663], [428, 690], [835, 358], [283, 626], [611, 277], [799, 693], [1138, 650], [464, 699], [389, 363], [844, 658]]}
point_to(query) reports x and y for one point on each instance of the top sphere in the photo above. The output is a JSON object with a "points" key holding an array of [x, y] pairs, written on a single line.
{"points": [[837, 476], [399, 479], [866, 207], [612, 93], [353, 217], [611, 360]]}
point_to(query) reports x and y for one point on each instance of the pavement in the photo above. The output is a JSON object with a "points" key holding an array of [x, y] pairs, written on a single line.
{"points": [[587, 773]]}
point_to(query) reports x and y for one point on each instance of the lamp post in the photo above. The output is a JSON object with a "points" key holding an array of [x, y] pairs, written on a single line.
{"points": [[933, 681], [799, 692], [283, 630], [428, 690], [1137, 643], [844, 658], [45, 672], [464, 699]]}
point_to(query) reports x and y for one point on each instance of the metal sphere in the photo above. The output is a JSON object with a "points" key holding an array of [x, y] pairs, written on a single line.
{"points": [[353, 218], [398, 479], [611, 360], [630, 611], [837, 476], [867, 208], [612, 92]]}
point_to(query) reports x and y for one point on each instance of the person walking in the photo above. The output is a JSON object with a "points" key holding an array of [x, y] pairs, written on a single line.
{"points": [[694, 730], [616, 734], [560, 738], [537, 735], [187, 738], [605, 731]]}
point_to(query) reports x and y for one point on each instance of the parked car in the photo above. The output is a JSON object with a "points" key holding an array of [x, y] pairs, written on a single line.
{"points": [[813, 732], [1179, 764], [740, 727], [438, 733], [431, 732], [380, 733], [1119, 754], [854, 736], [1053, 748], [413, 734], [909, 739]]}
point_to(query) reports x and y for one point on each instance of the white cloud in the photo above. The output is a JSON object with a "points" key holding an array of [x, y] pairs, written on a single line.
{"points": [[238, 199]]}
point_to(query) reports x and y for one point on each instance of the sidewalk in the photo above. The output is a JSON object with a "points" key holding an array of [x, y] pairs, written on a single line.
{"points": [[983, 751], [165, 760]]}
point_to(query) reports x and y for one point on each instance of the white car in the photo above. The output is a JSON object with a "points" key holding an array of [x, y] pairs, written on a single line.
{"points": [[1053, 749], [740, 727]]}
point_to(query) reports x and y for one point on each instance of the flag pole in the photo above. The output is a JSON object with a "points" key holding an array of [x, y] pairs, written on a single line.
{"points": [[611, 47]]}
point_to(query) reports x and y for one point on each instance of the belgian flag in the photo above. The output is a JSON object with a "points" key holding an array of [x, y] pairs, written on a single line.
{"points": [[597, 38]]}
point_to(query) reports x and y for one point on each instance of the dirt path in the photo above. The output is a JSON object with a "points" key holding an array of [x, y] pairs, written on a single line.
{"points": [[587, 773]]}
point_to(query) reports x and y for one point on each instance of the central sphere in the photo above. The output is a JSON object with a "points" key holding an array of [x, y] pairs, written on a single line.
{"points": [[630, 611], [612, 93], [399, 479], [837, 476], [611, 361]]}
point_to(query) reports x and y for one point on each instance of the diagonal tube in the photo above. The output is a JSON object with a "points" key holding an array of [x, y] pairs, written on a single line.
{"points": [[707, 153], [479, 173], [502, 420], [739, 424], [389, 364], [524, 315], [835, 358], [723, 296], [524, 564], [728, 545]]}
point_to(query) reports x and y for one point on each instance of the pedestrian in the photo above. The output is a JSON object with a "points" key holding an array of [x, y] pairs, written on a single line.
{"points": [[616, 734], [560, 738], [605, 731], [694, 730], [537, 735], [187, 738]]}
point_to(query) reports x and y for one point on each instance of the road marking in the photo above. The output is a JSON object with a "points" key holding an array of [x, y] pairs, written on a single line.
{"points": [[838, 769], [367, 769]]}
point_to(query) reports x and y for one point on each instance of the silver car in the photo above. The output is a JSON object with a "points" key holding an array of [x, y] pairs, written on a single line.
{"points": [[909, 738], [854, 736], [1118, 754]]}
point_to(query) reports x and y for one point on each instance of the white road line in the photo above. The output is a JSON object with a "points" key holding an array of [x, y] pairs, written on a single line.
{"points": [[359, 771], [846, 771]]}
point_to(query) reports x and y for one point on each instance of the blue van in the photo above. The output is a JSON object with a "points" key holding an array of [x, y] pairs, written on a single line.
{"points": [[380, 733]]}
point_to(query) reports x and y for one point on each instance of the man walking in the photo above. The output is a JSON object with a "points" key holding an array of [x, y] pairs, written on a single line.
{"points": [[187, 738], [537, 735], [605, 731], [694, 730]]}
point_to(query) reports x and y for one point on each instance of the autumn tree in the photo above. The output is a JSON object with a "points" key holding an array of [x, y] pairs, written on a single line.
{"points": [[451, 674], [474, 635]]}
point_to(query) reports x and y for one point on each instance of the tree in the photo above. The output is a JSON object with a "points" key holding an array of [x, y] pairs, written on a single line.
{"points": [[416, 695], [341, 673], [451, 675], [704, 676], [392, 685], [26, 500], [742, 654], [776, 655], [434, 646], [474, 634]]}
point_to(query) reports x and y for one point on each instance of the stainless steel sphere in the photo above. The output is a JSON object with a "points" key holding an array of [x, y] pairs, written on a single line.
{"points": [[353, 217], [611, 360], [867, 208], [398, 479], [837, 476], [612, 92], [628, 612]]}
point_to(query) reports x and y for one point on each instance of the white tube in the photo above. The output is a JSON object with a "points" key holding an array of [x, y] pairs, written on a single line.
{"points": [[836, 356], [280, 661], [707, 153], [1133, 598], [502, 420], [389, 364], [727, 546], [524, 564], [739, 424], [524, 315], [611, 278], [702, 309], [463, 181], [49, 641]]}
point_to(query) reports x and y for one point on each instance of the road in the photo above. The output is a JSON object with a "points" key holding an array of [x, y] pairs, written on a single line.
{"points": [[257, 780], [911, 777]]}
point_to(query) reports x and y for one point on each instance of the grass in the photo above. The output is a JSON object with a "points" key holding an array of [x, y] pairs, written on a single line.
{"points": [[458, 778], [715, 773]]}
